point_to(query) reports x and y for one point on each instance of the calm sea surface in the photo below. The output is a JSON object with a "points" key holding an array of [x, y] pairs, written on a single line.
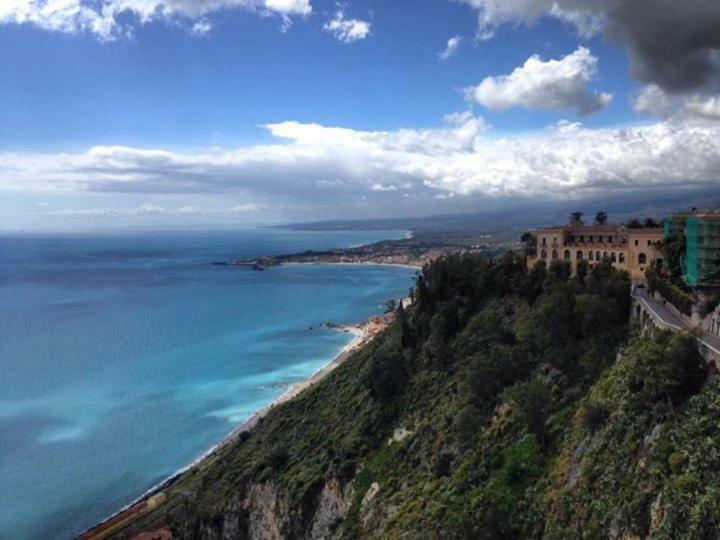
{"points": [[124, 357]]}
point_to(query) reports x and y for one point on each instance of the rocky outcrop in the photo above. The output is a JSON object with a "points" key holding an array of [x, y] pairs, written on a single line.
{"points": [[332, 507], [264, 513]]}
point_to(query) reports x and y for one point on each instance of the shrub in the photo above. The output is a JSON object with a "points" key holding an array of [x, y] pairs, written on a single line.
{"points": [[594, 416]]}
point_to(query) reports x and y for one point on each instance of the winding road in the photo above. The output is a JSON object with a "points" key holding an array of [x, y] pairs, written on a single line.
{"points": [[670, 319]]}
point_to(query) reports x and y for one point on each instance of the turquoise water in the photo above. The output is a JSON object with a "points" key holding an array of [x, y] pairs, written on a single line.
{"points": [[123, 358]]}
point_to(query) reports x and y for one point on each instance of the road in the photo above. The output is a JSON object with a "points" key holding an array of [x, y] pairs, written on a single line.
{"points": [[670, 319]]}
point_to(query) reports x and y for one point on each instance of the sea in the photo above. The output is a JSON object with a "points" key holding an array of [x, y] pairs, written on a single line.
{"points": [[125, 356]]}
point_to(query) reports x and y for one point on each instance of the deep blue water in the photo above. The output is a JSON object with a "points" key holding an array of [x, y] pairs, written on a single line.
{"points": [[124, 357]]}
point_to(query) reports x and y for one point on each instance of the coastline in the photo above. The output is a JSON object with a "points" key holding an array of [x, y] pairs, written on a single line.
{"points": [[363, 332], [358, 263]]}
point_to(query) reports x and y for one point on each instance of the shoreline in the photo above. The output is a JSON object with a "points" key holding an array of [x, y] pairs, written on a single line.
{"points": [[362, 336], [359, 263]]}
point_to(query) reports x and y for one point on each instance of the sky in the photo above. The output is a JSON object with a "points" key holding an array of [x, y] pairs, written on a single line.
{"points": [[134, 113]]}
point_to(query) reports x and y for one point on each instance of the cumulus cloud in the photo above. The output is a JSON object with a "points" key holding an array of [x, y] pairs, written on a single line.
{"points": [[347, 30], [675, 45], [551, 84], [103, 17], [654, 101], [319, 163], [450, 48], [706, 107]]}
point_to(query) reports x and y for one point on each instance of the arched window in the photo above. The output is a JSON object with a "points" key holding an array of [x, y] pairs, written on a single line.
{"points": [[621, 257], [642, 258], [613, 258], [554, 254], [605, 254], [579, 255], [543, 254], [590, 255], [597, 256], [566, 255]]}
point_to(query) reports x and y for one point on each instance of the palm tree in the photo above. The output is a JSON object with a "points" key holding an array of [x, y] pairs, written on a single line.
{"points": [[576, 217], [601, 217], [633, 223]]}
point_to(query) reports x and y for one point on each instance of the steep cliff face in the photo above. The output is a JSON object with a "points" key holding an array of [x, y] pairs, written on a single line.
{"points": [[264, 513], [497, 407]]}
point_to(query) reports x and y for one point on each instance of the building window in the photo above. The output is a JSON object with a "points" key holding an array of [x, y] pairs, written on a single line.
{"points": [[636, 242], [597, 256], [579, 255], [605, 254], [613, 258], [554, 254], [566, 255], [621, 257], [642, 259], [590, 255], [543, 254], [543, 241], [649, 243], [609, 239]]}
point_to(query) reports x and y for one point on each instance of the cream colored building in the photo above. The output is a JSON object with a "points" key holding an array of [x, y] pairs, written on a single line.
{"points": [[632, 250]]}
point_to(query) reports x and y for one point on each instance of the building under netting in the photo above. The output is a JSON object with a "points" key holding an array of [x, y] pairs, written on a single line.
{"points": [[701, 261]]}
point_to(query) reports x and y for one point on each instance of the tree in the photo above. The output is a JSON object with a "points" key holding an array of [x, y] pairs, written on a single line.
{"points": [[576, 217], [391, 305], [601, 217], [673, 248], [530, 241], [633, 223], [650, 223], [533, 400], [581, 270]]}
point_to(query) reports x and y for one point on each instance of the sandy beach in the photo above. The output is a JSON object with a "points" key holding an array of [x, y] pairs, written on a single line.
{"points": [[363, 334]]}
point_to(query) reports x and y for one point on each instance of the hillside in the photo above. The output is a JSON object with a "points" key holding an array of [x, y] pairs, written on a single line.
{"points": [[503, 404]]}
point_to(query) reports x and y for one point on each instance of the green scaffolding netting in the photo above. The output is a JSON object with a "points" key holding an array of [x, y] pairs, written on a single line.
{"points": [[691, 250]]}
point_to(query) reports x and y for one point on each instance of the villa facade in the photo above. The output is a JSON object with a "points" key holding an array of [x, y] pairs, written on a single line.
{"points": [[632, 250]]}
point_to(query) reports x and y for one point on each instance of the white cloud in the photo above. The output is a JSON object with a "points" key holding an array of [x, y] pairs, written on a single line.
{"points": [[706, 107], [201, 28], [149, 209], [538, 84], [103, 17], [654, 101], [451, 48], [494, 13], [347, 30], [320, 165]]}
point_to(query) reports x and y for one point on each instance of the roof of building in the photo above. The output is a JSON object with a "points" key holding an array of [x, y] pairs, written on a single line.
{"points": [[601, 229]]}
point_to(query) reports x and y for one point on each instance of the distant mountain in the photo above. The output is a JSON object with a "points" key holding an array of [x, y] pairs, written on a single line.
{"points": [[525, 214]]}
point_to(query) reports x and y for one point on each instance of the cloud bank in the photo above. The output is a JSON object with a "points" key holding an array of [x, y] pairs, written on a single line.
{"points": [[315, 162]]}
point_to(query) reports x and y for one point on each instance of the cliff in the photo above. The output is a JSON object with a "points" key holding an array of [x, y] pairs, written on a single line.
{"points": [[504, 403]]}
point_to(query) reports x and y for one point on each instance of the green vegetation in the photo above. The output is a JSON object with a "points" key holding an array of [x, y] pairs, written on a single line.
{"points": [[683, 300], [519, 419]]}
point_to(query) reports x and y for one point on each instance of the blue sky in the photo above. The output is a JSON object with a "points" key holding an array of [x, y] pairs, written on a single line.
{"points": [[80, 108]]}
